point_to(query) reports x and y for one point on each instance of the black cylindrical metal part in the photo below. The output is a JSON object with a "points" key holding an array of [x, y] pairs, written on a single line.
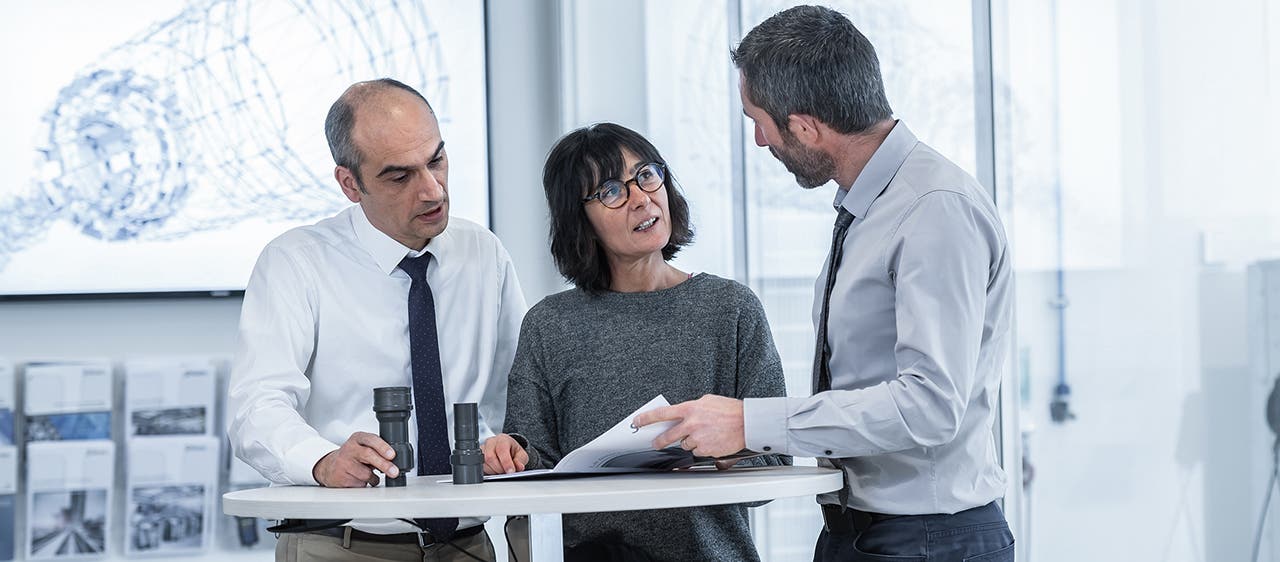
{"points": [[392, 405], [467, 458]]}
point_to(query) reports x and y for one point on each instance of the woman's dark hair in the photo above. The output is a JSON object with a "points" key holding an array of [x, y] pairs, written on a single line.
{"points": [[576, 166]]}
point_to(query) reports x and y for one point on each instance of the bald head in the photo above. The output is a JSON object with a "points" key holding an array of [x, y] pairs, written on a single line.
{"points": [[339, 125]]}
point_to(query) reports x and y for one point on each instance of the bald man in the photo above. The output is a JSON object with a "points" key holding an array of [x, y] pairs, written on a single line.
{"points": [[391, 291]]}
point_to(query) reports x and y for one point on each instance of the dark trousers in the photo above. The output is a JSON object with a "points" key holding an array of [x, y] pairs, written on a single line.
{"points": [[975, 535]]}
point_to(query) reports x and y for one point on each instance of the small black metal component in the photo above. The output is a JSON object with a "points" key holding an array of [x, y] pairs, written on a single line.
{"points": [[467, 458], [392, 405]]}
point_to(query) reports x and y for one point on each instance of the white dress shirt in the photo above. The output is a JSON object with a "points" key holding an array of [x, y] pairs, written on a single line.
{"points": [[325, 321], [919, 331]]}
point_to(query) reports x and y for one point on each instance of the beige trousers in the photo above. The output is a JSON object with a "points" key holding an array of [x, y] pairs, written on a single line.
{"points": [[309, 547]]}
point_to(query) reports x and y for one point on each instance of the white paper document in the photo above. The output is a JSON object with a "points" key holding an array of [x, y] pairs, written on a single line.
{"points": [[69, 486], [171, 494], [169, 396], [624, 448], [68, 400]]}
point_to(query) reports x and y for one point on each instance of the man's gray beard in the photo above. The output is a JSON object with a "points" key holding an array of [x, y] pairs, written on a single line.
{"points": [[808, 182], [812, 169]]}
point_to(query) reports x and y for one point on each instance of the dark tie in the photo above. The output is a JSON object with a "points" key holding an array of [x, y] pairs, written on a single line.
{"points": [[428, 386], [822, 352]]}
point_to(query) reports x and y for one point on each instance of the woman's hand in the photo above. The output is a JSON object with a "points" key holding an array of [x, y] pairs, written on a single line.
{"points": [[503, 455]]}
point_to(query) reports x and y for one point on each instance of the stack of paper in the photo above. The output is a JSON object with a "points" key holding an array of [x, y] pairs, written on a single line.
{"points": [[172, 468], [70, 458], [627, 448]]}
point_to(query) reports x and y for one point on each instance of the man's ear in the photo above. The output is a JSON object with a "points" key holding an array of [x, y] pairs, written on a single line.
{"points": [[805, 128], [346, 179]]}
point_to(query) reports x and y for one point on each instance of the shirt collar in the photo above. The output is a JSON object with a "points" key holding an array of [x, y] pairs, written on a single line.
{"points": [[387, 251], [878, 172]]}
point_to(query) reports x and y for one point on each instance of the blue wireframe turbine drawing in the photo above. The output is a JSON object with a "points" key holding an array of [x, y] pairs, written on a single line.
{"points": [[214, 117]]}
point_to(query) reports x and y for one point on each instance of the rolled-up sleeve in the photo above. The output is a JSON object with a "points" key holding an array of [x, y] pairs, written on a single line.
{"points": [[268, 386], [940, 259]]}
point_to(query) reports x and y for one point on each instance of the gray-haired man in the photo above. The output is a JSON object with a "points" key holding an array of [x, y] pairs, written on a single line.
{"points": [[912, 311]]}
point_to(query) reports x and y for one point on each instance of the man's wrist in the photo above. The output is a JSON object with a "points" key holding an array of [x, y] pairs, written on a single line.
{"points": [[300, 461], [315, 470]]}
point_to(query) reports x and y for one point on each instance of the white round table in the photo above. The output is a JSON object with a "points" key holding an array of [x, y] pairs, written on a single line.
{"points": [[542, 499]]}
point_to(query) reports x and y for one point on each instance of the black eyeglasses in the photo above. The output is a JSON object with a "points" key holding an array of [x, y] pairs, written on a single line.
{"points": [[614, 193]]}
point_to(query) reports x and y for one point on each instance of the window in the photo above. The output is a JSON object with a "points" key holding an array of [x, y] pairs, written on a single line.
{"points": [[1138, 142]]}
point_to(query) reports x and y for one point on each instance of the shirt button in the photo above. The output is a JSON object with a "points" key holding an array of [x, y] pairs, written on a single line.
{"points": [[768, 449], [827, 452]]}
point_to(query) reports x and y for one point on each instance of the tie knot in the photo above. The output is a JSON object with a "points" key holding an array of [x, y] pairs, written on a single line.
{"points": [[844, 218], [416, 267]]}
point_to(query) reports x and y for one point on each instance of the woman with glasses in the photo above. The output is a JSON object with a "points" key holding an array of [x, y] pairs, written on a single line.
{"points": [[633, 327]]}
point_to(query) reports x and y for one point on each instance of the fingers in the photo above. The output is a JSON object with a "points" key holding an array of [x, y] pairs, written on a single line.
{"points": [[346, 473], [359, 476], [521, 459], [655, 415], [491, 463], [504, 457], [670, 437], [372, 479], [367, 451], [373, 442], [353, 464], [371, 457], [687, 444]]}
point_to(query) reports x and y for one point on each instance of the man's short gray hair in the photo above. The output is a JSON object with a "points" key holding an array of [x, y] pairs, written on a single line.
{"points": [[341, 121], [811, 60]]}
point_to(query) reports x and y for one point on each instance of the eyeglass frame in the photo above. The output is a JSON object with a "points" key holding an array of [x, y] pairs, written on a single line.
{"points": [[599, 192]]}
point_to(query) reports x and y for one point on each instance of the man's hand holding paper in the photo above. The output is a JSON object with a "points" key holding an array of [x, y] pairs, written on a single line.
{"points": [[710, 426]]}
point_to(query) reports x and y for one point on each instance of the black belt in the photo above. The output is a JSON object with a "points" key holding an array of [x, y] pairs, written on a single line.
{"points": [[851, 521], [424, 538]]}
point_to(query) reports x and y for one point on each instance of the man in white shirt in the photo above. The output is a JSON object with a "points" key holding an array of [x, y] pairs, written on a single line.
{"points": [[389, 292]]}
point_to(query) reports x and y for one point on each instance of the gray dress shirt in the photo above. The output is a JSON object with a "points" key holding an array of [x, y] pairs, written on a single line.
{"points": [[919, 331]]}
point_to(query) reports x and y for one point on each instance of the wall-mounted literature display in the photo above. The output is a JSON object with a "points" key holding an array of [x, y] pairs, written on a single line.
{"points": [[171, 493], [169, 397], [8, 461], [69, 493], [68, 400], [70, 458]]}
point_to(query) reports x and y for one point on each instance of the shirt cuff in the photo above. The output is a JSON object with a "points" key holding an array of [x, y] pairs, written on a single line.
{"points": [[764, 425], [301, 459]]}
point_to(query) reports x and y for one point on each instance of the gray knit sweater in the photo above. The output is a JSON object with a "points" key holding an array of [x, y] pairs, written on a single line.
{"points": [[584, 362]]}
